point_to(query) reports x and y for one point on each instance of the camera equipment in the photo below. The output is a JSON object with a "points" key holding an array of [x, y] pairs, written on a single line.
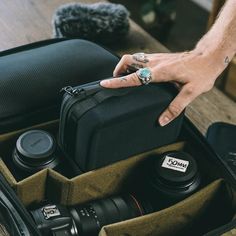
{"points": [[36, 150], [98, 22], [88, 219], [89, 112], [173, 177]]}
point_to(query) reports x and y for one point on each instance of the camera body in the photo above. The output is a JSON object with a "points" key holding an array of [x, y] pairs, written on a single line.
{"points": [[88, 219], [54, 220]]}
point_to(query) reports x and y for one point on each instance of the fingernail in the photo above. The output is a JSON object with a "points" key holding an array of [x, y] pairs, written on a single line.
{"points": [[164, 121], [104, 82]]}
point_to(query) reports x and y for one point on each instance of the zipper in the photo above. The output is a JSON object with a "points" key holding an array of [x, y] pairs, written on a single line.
{"points": [[74, 95], [68, 102], [72, 91]]}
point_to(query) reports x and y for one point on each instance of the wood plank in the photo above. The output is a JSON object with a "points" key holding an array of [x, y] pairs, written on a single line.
{"points": [[26, 21], [230, 84], [211, 107]]}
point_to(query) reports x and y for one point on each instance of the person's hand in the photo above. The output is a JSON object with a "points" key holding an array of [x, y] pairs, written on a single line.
{"points": [[192, 72]]}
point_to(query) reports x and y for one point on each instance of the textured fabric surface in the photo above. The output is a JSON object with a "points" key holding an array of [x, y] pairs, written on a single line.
{"points": [[31, 80], [98, 22], [118, 127], [177, 220]]}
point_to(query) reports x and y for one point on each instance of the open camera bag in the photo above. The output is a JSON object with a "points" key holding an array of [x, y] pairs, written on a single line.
{"points": [[209, 211]]}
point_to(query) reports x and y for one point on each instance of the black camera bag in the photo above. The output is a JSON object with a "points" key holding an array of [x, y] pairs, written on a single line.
{"points": [[211, 207], [32, 76], [100, 126]]}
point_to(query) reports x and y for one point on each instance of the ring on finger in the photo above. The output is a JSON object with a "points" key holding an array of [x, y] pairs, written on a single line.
{"points": [[140, 57], [144, 75]]}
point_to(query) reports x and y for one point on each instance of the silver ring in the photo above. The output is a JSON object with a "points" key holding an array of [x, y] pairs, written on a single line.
{"points": [[144, 75], [140, 57]]}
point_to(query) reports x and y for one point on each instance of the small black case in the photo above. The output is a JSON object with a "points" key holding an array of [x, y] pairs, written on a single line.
{"points": [[100, 126]]}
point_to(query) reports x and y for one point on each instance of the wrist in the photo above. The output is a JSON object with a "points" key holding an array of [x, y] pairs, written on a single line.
{"points": [[215, 55]]}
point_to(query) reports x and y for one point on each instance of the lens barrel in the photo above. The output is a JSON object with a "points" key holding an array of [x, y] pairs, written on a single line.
{"points": [[173, 177], [88, 219], [92, 217]]}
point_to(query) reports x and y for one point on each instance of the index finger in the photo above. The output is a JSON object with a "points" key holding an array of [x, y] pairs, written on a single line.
{"points": [[124, 81]]}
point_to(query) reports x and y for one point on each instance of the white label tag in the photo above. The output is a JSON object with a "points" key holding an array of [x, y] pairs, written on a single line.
{"points": [[175, 164]]}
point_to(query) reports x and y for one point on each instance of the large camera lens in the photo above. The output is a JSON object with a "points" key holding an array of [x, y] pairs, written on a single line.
{"points": [[88, 219]]}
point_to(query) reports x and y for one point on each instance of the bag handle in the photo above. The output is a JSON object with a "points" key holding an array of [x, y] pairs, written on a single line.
{"points": [[97, 94]]}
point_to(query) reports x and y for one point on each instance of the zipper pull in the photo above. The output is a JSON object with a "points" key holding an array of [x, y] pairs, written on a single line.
{"points": [[72, 91]]}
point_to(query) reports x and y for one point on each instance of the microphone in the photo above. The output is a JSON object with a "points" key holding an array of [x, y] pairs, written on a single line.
{"points": [[98, 22]]}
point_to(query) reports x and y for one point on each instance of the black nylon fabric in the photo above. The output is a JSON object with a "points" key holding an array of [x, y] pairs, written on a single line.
{"points": [[30, 80], [97, 133], [222, 138], [16, 218]]}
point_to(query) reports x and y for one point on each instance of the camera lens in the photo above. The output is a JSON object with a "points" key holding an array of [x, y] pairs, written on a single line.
{"points": [[35, 150], [88, 219], [92, 217], [173, 177]]}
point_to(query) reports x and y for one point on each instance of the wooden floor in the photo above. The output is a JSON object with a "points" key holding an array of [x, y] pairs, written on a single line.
{"points": [[26, 21]]}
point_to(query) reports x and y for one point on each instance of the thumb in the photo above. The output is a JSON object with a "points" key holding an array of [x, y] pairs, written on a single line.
{"points": [[124, 81], [177, 106]]}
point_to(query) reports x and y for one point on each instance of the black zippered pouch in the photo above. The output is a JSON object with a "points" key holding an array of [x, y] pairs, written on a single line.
{"points": [[100, 126], [32, 76]]}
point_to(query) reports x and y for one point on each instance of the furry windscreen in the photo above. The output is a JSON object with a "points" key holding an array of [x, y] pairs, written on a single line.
{"points": [[98, 22]]}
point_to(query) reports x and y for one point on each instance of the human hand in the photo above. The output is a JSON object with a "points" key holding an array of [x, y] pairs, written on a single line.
{"points": [[192, 72]]}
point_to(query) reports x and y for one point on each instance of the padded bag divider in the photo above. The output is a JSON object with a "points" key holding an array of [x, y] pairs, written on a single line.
{"points": [[201, 211], [48, 184], [100, 183], [32, 76], [33, 189]]}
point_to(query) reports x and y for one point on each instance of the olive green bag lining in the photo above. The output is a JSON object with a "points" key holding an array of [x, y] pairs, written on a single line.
{"points": [[113, 179], [177, 219], [92, 185]]}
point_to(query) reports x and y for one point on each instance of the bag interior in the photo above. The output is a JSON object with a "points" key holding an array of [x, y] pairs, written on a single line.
{"points": [[210, 207]]}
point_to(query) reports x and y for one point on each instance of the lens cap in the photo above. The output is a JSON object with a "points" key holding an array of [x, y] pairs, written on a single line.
{"points": [[173, 176], [35, 150], [176, 169]]}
